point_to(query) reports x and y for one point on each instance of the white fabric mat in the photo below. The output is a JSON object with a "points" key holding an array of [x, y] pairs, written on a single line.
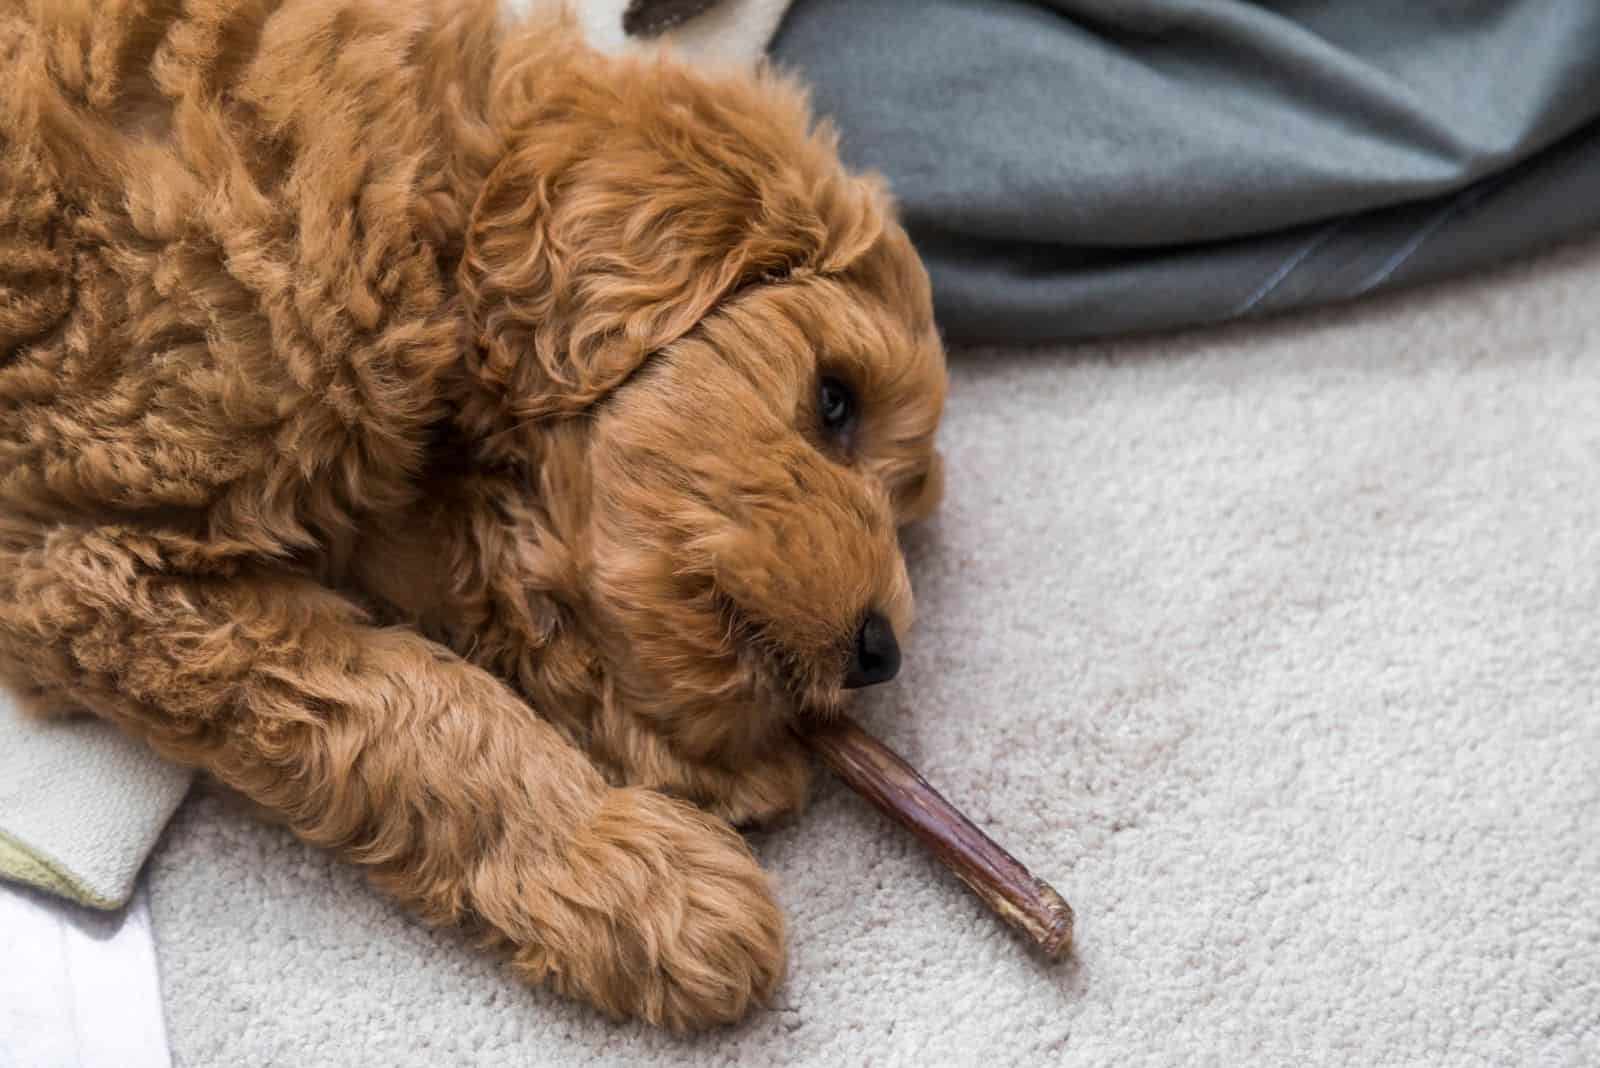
{"points": [[78, 989]]}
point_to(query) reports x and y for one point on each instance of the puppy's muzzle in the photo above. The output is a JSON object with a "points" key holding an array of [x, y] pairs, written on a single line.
{"points": [[876, 656]]}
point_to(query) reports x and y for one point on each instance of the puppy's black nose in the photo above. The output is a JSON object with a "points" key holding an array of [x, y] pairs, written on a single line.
{"points": [[877, 654]]}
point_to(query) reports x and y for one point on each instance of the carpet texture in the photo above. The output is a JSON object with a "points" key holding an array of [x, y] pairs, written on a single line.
{"points": [[1276, 648]]}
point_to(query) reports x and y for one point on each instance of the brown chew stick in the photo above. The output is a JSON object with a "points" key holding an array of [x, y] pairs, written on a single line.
{"points": [[879, 774]]}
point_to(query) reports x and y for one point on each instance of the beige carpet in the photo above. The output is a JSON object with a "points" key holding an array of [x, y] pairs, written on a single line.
{"points": [[1276, 647]]}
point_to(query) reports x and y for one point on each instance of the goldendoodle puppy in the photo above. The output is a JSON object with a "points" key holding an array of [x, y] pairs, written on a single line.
{"points": [[474, 450]]}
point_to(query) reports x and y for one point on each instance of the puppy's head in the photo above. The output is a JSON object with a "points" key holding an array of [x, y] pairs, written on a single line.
{"points": [[748, 482], [734, 339]]}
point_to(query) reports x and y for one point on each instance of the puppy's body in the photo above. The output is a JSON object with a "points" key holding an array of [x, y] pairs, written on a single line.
{"points": [[412, 422]]}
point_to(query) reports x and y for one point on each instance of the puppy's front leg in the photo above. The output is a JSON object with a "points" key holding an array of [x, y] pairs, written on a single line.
{"points": [[408, 761], [497, 607]]}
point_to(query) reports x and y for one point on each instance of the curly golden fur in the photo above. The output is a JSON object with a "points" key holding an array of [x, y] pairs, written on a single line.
{"points": [[410, 419]]}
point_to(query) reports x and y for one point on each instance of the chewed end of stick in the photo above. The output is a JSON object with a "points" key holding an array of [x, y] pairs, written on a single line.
{"points": [[1056, 939]]}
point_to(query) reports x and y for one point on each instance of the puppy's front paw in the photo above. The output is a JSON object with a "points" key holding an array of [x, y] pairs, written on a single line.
{"points": [[661, 912]]}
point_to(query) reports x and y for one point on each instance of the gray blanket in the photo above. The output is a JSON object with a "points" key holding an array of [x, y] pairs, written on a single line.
{"points": [[1079, 167]]}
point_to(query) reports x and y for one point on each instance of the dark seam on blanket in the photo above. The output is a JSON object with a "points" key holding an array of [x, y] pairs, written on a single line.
{"points": [[1459, 203], [1286, 268]]}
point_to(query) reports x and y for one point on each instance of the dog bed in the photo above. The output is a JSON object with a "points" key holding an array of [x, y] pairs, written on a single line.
{"points": [[1082, 167]]}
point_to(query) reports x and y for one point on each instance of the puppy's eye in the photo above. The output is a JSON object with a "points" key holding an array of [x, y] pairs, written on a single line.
{"points": [[836, 405]]}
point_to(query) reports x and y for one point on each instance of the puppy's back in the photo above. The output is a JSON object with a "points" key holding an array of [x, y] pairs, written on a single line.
{"points": [[225, 235]]}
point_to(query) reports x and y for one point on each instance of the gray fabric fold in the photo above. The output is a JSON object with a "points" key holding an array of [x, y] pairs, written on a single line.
{"points": [[81, 805], [1080, 167]]}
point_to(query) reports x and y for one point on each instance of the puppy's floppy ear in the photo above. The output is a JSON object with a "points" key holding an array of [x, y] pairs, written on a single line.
{"points": [[633, 196]]}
